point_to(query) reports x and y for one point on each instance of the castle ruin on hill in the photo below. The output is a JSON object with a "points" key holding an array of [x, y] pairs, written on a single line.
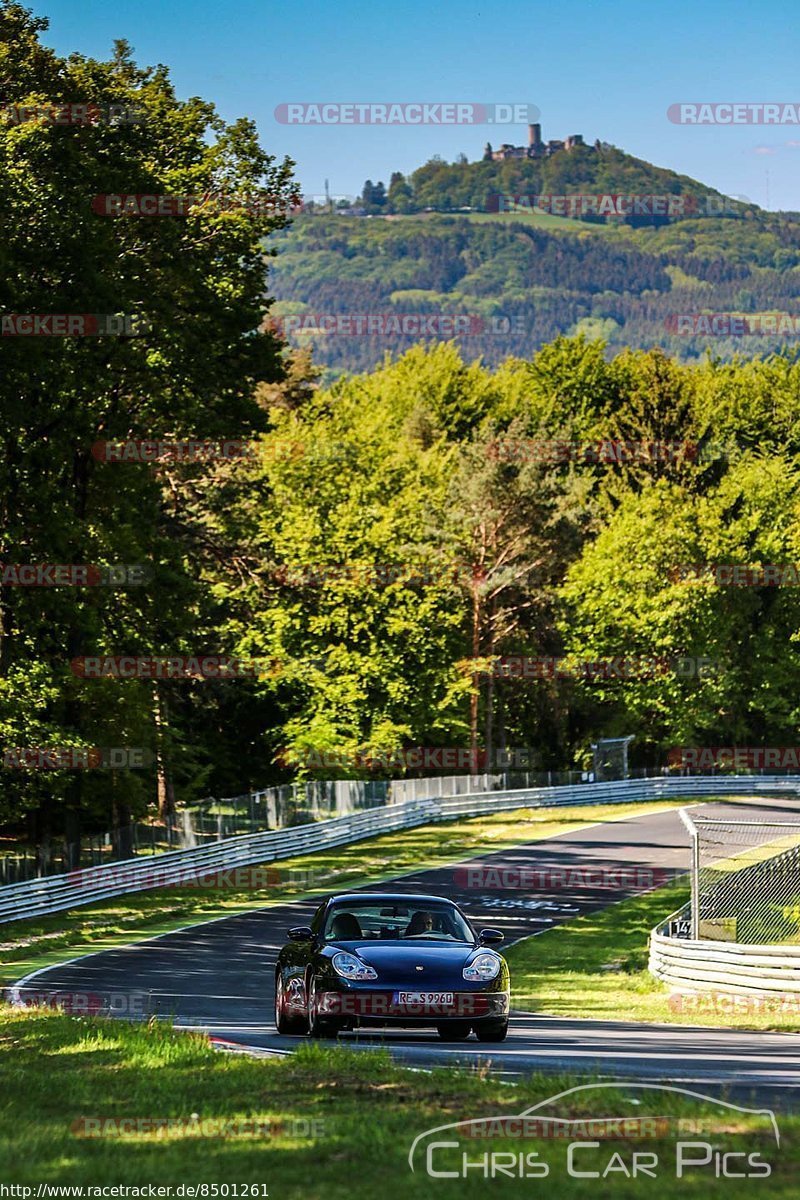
{"points": [[535, 148]]}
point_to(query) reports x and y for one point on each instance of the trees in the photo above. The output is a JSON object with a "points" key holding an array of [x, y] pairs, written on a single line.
{"points": [[574, 559], [373, 196], [400, 197], [375, 553], [511, 527], [394, 555], [646, 587], [345, 595], [195, 285]]}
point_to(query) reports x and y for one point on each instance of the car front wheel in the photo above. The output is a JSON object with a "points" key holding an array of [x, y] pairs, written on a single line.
{"points": [[319, 1027], [454, 1031], [285, 1022], [491, 1031]]}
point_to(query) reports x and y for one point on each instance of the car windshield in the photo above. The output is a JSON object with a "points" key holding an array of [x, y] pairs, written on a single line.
{"points": [[396, 921]]}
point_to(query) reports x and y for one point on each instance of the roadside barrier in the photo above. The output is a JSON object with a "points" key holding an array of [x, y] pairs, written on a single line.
{"points": [[39, 897]]}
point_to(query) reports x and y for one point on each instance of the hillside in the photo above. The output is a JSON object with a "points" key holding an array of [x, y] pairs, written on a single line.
{"points": [[586, 170], [521, 278]]}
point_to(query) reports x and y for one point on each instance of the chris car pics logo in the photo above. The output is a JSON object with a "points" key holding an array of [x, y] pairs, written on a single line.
{"points": [[709, 1139]]}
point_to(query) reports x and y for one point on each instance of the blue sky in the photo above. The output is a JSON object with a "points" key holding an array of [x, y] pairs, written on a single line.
{"points": [[607, 70]]}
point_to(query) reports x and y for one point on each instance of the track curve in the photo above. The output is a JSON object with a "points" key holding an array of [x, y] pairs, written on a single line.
{"points": [[217, 977]]}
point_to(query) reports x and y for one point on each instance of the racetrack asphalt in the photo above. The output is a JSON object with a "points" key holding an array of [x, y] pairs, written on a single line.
{"points": [[218, 977]]}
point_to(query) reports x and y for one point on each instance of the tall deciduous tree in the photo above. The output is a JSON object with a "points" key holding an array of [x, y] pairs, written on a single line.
{"points": [[195, 285]]}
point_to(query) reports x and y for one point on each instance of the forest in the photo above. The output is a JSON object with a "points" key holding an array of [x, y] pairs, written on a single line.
{"points": [[380, 540]]}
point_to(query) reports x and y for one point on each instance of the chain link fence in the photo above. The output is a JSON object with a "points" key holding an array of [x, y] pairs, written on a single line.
{"points": [[745, 881], [209, 820], [286, 805], [279, 807]]}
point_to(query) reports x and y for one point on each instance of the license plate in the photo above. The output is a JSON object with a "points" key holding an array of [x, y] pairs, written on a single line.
{"points": [[422, 998]]}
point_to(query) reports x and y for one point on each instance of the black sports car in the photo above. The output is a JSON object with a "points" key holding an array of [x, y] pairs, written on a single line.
{"points": [[373, 959]]}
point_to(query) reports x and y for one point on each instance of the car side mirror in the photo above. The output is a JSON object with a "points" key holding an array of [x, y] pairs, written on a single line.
{"points": [[301, 933], [490, 937]]}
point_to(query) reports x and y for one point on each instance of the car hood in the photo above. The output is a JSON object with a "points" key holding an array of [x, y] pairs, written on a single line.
{"points": [[413, 951], [399, 960]]}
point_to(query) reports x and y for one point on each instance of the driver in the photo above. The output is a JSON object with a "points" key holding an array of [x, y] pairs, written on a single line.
{"points": [[421, 922]]}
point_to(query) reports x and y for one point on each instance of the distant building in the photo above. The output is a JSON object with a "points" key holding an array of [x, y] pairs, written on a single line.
{"points": [[535, 148]]}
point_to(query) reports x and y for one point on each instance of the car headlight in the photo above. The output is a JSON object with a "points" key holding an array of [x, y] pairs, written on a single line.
{"points": [[482, 968], [350, 967]]}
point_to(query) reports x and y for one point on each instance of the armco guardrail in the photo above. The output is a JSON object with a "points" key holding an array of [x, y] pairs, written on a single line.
{"points": [[736, 968], [56, 893], [730, 967], [38, 897]]}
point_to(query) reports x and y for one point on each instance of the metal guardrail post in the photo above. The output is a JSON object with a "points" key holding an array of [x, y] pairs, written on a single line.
{"points": [[695, 885], [694, 874]]}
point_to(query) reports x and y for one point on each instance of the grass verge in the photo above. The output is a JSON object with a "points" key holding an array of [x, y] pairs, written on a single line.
{"points": [[531, 216], [325, 1122], [596, 967], [29, 945]]}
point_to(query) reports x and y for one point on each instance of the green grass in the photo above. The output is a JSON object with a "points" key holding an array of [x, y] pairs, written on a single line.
{"points": [[541, 220], [29, 945], [333, 1123], [596, 967]]}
